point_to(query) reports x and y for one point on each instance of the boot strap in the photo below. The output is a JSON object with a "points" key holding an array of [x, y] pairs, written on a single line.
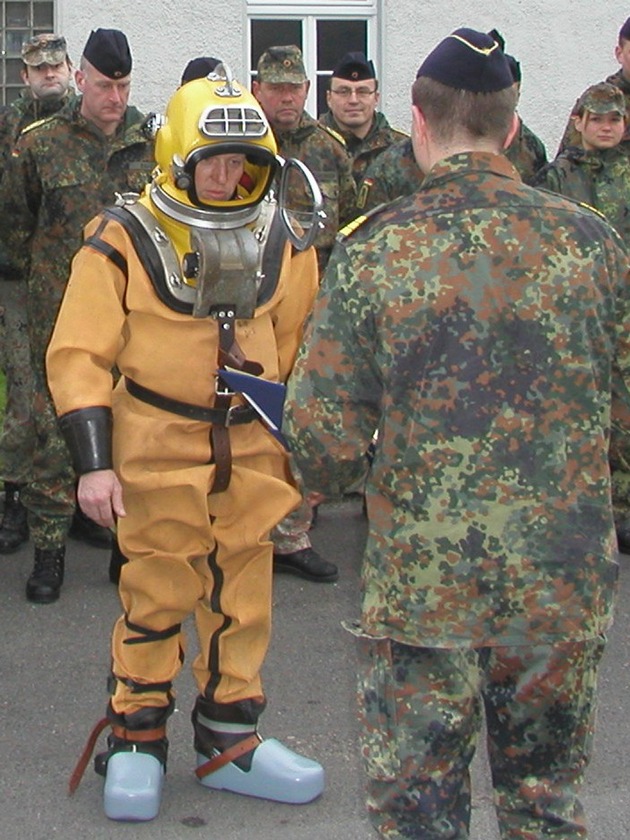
{"points": [[139, 736], [133, 735], [79, 770], [236, 751]]}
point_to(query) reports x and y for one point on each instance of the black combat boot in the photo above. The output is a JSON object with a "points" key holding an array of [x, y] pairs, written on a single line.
{"points": [[44, 584], [14, 528]]}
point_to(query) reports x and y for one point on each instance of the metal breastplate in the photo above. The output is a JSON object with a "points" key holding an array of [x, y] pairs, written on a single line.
{"points": [[237, 267]]}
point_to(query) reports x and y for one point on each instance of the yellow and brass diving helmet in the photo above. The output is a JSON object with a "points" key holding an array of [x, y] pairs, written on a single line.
{"points": [[214, 115]]}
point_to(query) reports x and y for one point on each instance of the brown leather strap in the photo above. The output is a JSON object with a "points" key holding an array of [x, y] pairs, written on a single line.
{"points": [[139, 735], [222, 458], [79, 770], [236, 751]]}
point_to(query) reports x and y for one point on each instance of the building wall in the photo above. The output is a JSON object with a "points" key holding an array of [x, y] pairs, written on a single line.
{"points": [[563, 45]]}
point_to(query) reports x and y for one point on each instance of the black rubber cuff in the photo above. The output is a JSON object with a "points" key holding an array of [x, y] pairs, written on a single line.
{"points": [[88, 433]]}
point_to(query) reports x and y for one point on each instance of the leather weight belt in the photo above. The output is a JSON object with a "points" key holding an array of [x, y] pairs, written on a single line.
{"points": [[234, 416], [220, 420]]}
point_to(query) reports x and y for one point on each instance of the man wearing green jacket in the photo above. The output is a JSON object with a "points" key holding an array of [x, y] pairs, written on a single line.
{"points": [[352, 100], [61, 173]]}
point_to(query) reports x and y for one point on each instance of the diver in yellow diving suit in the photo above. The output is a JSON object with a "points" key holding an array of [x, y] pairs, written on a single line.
{"points": [[202, 272]]}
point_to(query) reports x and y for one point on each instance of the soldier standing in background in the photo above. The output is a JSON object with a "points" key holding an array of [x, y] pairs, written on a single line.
{"points": [[597, 173], [62, 172], [352, 100], [479, 325], [620, 79], [47, 73], [281, 86]]}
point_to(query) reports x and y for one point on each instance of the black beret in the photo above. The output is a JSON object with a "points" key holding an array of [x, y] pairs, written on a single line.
{"points": [[624, 32], [199, 68], [354, 67], [108, 51], [468, 60]]}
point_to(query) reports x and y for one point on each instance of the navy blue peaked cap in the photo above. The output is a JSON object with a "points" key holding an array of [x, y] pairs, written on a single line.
{"points": [[108, 51], [468, 60]]}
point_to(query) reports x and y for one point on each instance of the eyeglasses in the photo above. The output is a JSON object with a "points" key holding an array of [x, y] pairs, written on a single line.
{"points": [[346, 92]]}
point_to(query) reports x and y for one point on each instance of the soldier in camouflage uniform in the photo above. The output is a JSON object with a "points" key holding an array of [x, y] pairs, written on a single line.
{"points": [[479, 325], [281, 86], [62, 172], [46, 72], [597, 173], [620, 79], [393, 174], [352, 100]]}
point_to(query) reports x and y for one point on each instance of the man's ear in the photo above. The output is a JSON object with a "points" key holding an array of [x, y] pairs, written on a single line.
{"points": [[516, 121], [79, 78]]}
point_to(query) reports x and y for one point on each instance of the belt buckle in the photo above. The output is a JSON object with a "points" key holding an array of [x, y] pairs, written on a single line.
{"points": [[229, 414], [222, 390]]}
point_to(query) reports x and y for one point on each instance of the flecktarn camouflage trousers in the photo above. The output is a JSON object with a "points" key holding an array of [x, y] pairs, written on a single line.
{"points": [[421, 712]]}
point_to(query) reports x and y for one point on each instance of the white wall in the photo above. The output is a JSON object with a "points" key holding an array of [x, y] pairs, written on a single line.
{"points": [[563, 46]]}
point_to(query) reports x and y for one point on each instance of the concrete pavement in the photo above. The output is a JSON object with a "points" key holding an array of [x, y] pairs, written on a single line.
{"points": [[53, 667]]}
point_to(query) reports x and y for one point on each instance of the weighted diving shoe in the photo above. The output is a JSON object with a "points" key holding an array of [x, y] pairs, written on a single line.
{"points": [[306, 564], [275, 773], [133, 786]]}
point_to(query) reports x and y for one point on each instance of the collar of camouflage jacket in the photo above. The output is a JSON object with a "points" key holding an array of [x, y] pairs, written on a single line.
{"points": [[465, 163]]}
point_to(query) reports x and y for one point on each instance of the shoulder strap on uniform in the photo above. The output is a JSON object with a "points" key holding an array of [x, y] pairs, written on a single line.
{"points": [[338, 137]]}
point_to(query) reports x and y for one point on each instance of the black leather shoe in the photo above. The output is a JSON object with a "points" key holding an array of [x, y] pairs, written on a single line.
{"points": [[306, 564], [44, 584], [86, 530], [116, 561], [14, 528], [623, 537]]}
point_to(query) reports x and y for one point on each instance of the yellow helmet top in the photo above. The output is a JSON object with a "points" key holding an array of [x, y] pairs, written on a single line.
{"points": [[211, 116]]}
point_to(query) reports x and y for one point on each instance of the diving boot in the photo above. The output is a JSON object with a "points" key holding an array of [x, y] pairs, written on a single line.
{"points": [[134, 776], [255, 767], [44, 583], [14, 528], [133, 787]]}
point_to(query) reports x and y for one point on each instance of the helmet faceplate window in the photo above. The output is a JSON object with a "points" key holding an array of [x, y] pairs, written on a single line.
{"points": [[232, 121]]}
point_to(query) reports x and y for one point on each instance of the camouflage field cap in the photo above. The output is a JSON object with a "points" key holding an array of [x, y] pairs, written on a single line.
{"points": [[46, 48], [602, 99], [282, 65]]}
